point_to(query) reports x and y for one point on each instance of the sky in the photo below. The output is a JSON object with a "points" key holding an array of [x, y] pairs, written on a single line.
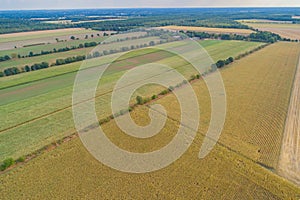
{"points": [[65, 4]]}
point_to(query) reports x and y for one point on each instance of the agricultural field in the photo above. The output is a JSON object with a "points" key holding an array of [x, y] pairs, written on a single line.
{"points": [[258, 90], [290, 157], [41, 34], [149, 103], [40, 38], [209, 30], [51, 58], [42, 99], [285, 30], [255, 114], [47, 47]]}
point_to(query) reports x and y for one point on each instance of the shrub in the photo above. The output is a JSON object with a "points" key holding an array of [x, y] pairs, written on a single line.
{"points": [[130, 109], [105, 120], [193, 77], [164, 92], [171, 88], [154, 97], [21, 159], [7, 163], [146, 100], [220, 63], [139, 100], [184, 82]]}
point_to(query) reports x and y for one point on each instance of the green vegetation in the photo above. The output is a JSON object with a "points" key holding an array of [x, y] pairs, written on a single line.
{"points": [[222, 63], [4, 58], [6, 164], [260, 36]]}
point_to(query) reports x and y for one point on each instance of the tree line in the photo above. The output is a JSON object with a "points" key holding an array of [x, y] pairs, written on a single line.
{"points": [[14, 70], [259, 36], [4, 58]]}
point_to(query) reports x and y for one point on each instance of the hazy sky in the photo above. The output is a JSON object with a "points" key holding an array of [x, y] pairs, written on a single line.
{"points": [[61, 4]]}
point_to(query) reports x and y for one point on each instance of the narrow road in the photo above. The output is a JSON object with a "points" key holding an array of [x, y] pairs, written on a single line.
{"points": [[289, 161]]}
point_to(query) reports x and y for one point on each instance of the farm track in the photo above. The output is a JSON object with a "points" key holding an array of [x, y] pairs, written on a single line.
{"points": [[289, 161]]}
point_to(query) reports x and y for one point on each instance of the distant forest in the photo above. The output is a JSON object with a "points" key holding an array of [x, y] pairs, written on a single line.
{"points": [[18, 21]]}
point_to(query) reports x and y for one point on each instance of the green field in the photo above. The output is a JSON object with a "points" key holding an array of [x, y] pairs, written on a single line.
{"points": [[37, 113], [258, 89]]}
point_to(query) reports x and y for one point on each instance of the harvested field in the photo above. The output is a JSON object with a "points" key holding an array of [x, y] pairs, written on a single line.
{"points": [[41, 34], [209, 30], [45, 40], [291, 31], [47, 47], [289, 162]]}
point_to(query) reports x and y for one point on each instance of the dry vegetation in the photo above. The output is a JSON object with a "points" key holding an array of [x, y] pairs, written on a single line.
{"points": [[39, 34], [289, 163], [258, 89], [209, 30], [285, 30]]}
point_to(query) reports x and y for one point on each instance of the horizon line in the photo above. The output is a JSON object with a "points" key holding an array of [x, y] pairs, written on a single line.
{"points": [[111, 8]]}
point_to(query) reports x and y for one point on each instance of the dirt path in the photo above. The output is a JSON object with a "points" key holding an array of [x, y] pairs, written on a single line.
{"points": [[289, 161]]}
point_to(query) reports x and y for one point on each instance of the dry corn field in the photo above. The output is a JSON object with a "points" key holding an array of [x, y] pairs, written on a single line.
{"points": [[291, 31], [289, 164], [258, 88]]}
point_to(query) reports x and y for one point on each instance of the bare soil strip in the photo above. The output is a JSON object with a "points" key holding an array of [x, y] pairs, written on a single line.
{"points": [[289, 161]]}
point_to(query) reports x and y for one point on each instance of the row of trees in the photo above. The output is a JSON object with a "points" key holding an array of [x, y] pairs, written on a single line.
{"points": [[87, 36], [84, 45], [14, 70], [4, 58], [260, 36], [11, 71], [222, 63], [69, 60]]}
